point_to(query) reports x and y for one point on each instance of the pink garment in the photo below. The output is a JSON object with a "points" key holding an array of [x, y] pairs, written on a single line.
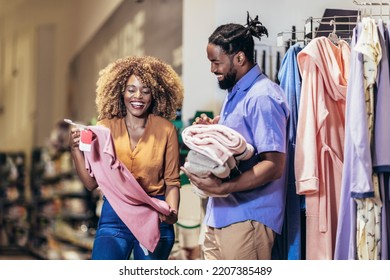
{"points": [[133, 205], [319, 152], [217, 141]]}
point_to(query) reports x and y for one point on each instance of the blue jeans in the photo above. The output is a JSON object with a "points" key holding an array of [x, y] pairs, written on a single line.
{"points": [[114, 240]]}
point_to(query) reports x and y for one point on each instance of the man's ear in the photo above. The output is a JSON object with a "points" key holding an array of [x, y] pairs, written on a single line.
{"points": [[240, 57]]}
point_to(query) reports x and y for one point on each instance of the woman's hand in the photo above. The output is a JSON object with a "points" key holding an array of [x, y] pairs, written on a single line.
{"points": [[79, 161], [170, 219], [172, 197], [74, 139]]}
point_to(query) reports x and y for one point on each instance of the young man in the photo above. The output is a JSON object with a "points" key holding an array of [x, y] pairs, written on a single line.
{"points": [[243, 224]]}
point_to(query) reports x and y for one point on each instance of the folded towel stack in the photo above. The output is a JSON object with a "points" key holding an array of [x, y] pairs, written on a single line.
{"points": [[214, 148], [217, 142], [200, 165]]}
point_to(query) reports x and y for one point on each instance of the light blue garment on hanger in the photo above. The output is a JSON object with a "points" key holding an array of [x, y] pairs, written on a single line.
{"points": [[289, 244]]}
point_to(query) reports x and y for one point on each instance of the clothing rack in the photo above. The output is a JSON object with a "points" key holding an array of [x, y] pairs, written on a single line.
{"points": [[363, 8], [339, 25], [351, 21], [334, 30], [309, 31], [281, 42], [372, 3]]}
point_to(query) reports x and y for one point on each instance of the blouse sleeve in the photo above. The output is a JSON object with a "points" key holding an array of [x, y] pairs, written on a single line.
{"points": [[172, 160]]}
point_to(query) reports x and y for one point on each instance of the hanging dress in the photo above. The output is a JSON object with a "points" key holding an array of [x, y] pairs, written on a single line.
{"points": [[381, 161], [367, 197], [353, 164]]}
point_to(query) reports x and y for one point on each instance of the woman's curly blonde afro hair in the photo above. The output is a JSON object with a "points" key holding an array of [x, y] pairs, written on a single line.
{"points": [[164, 82]]}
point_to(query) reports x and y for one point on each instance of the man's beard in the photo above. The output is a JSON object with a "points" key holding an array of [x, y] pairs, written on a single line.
{"points": [[228, 81]]}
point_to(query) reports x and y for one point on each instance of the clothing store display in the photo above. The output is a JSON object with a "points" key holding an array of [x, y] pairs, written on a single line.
{"points": [[340, 160]]}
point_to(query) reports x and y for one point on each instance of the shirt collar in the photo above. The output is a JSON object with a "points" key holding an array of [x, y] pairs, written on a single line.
{"points": [[247, 80]]}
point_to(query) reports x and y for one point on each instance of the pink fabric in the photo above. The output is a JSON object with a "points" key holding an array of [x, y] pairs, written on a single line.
{"points": [[319, 151], [132, 204], [216, 141]]}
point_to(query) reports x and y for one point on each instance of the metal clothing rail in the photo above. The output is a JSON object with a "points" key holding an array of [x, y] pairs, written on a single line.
{"points": [[365, 8], [333, 23], [372, 3], [280, 41], [330, 17], [348, 21], [314, 26]]}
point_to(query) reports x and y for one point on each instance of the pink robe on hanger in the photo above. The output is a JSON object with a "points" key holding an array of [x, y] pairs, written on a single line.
{"points": [[324, 68]]}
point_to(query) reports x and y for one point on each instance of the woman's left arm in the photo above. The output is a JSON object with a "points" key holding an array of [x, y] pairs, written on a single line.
{"points": [[172, 177], [172, 197]]}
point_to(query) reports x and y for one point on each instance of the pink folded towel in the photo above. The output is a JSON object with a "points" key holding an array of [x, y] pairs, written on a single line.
{"points": [[216, 141]]}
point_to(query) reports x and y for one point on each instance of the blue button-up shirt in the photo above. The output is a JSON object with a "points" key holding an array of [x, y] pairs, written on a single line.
{"points": [[256, 108]]}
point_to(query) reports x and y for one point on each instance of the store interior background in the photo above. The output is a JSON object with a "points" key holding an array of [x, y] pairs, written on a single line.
{"points": [[42, 40]]}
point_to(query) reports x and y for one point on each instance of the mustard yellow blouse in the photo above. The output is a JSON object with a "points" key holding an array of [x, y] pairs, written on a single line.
{"points": [[154, 162]]}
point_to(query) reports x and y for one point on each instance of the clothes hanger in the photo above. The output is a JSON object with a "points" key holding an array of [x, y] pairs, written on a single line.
{"points": [[332, 35]]}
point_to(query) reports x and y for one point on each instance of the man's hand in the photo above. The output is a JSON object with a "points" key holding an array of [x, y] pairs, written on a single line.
{"points": [[204, 119], [210, 184]]}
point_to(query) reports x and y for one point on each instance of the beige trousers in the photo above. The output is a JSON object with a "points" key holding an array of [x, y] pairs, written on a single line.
{"points": [[248, 240]]}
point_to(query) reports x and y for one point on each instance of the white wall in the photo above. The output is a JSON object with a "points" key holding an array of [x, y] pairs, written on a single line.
{"points": [[199, 21], [74, 22], [201, 17], [88, 16]]}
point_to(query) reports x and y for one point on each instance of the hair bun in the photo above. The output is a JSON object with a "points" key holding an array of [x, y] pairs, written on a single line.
{"points": [[255, 27]]}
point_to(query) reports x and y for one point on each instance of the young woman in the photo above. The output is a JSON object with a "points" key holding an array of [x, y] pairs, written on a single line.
{"points": [[136, 99]]}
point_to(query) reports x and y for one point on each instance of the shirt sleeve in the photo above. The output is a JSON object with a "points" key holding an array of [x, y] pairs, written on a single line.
{"points": [[269, 121], [172, 160]]}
